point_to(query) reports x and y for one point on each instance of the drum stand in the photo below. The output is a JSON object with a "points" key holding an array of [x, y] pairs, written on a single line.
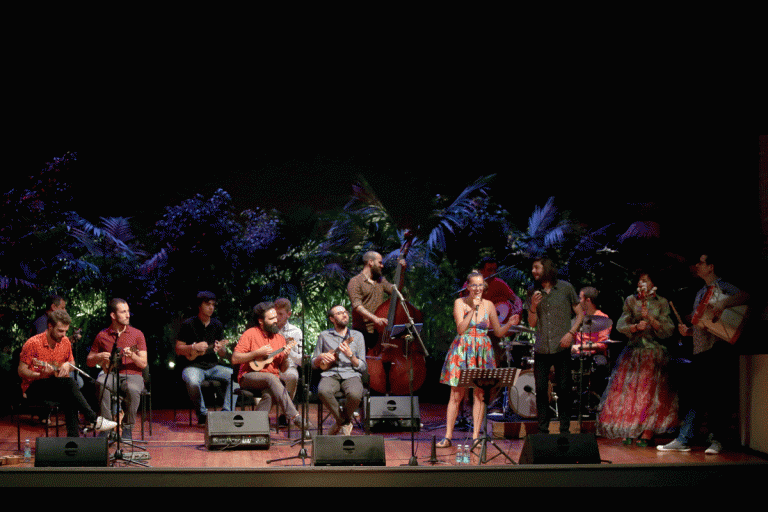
{"points": [[487, 379]]}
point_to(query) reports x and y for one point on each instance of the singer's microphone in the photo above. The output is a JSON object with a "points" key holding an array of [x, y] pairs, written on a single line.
{"points": [[529, 389]]}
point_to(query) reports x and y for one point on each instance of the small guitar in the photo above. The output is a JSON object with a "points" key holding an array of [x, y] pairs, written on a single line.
{"points": [[197, 353], [106, 367], [325, 366], [44, 364], [260, 364]]}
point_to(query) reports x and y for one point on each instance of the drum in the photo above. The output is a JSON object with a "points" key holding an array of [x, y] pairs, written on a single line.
{"points": [[522, 397]]}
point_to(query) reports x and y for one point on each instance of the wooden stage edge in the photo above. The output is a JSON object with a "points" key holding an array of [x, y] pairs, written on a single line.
{"points": [[726, 476], [179, 458]]}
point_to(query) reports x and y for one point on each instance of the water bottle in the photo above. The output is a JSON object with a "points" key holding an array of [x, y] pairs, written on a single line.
{"points": [[27, 451], [467, 452], [459, 455]]}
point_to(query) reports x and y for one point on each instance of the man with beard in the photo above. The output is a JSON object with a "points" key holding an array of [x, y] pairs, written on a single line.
{"points": [[132, 353], [552, 304], [44, 367], [340, 353], [366, 293], [263, 347]]}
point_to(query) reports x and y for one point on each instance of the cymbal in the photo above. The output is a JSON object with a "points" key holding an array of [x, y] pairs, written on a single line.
{"points": [[595, 323]]}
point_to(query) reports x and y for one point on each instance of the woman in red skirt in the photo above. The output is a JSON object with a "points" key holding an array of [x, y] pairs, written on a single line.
{"points": [[638, 402]]}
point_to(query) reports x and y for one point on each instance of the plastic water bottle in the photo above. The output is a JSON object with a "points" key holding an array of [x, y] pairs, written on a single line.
{"points": [[466, 455], [27, 451], [459, 455]]}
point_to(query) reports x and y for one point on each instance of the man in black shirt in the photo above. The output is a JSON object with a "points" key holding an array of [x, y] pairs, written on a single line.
{"points": [[201, 342]]}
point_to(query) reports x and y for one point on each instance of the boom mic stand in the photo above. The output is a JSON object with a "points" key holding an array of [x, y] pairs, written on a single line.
{"points": [[413, 332], [116, 360], [305, 369]]}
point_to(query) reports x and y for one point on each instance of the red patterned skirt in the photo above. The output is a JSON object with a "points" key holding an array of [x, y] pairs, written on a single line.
{"points": [[638, 396]]}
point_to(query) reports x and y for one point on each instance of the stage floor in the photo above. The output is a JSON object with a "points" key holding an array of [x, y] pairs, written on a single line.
{"points": [[176, 444]]}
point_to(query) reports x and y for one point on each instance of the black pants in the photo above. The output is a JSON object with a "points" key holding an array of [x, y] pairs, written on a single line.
{"points": [[541, 365], [65, 391]]}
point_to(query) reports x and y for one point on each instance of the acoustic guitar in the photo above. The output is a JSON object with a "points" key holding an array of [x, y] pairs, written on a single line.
{"points": [[258, 365]]}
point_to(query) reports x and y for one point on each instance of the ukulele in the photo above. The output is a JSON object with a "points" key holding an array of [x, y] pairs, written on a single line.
{"points": [[44, 364], [258, 365], [196, 353], [106, 367], [325, 366]]}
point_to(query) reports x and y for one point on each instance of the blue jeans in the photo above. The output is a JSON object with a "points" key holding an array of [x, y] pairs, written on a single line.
{"points": [[194, 376]]}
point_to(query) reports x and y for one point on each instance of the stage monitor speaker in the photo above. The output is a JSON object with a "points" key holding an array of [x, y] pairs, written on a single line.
{"points": [[393, 413], [68, 452], [560, 449], [348, 451], [237, 429]]}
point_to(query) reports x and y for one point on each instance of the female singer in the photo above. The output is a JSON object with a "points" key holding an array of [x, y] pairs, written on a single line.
{"points": [[638, 402], [471, 348]]}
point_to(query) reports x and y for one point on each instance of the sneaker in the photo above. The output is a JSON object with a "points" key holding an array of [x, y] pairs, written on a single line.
{"points": [[714, 448], [103, 424], [674, 446]]}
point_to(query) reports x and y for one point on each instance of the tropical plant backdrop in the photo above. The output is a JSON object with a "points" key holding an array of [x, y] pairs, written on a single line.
{"points": [[206, 243]]}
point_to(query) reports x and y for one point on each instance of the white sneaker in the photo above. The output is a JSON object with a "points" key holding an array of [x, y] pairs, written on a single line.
{"points": [[674, 446], [103, 424], [714, 448]]}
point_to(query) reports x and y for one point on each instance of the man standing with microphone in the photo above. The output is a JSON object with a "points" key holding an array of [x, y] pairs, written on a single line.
{"points": [[553, 309]]}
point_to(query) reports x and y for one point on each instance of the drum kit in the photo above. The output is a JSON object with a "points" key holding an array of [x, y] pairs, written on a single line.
{"points": [[590, 372]]}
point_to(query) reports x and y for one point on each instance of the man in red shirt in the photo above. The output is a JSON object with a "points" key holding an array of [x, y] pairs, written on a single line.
{"points": [[131, 355], [264, 347], [45, 363]]}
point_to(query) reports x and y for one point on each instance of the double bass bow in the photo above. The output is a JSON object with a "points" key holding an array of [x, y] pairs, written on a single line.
{"points": [[389, 363]]}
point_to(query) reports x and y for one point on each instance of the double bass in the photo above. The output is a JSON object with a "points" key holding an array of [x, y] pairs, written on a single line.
{"points": [[392, 359]]}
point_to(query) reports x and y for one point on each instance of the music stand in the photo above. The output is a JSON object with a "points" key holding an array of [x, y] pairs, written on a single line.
{"points": [[487, 379]]}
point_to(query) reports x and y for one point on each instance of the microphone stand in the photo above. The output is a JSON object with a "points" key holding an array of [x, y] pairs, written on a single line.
{"points": [[116, 360], [305, 369], [412, 332]]}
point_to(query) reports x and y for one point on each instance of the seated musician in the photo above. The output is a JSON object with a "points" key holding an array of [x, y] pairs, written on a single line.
{"points": [[594, 342], [340, 353], [132, 351], [201, 342], [262, 354], [44, 366]]}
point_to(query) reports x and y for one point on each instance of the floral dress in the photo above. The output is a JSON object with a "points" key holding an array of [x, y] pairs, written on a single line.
{"points": [[473, 349], [638, 396]]}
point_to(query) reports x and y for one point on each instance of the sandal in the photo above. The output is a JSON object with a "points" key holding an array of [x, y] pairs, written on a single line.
{"points": [[444, 443]]}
